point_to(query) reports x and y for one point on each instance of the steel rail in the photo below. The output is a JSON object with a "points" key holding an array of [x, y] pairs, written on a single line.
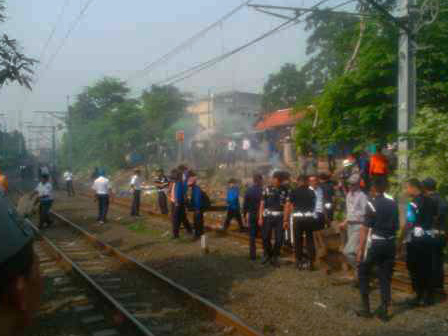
{"points": [[60, 256], [218, 314]]}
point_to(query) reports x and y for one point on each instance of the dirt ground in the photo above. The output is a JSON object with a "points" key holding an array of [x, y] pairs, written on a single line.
{"points": [[276, 301]]}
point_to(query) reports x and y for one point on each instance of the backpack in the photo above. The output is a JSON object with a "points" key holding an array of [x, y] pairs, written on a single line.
{"points": [[205, 201]]}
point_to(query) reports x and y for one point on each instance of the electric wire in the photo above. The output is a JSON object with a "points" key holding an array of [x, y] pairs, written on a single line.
{"points": [[190, 41]]}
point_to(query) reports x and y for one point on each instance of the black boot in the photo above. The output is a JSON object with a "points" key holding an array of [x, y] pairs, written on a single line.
{"points": [[266, 259], [365, 308], [382, 313], [416, 301], [429, 299], [274, 262]]}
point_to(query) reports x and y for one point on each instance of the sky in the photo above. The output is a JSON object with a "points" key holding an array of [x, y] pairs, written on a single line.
{"points": [[118, 38]]}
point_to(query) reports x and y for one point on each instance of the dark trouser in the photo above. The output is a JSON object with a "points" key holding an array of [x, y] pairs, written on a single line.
{"points": [[331, 163], [419, 263], [304, 226], [135, 208], [69, 188], [438, 260], [103, 207], [231, 214], [382, 255], [44, 212], [179, 215], [272, 223], [163, 204], [253, 231], [198, 223]]}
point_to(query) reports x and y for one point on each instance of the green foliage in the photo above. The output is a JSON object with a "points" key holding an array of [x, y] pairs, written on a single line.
{"points": [[284, 89], [360, 106], [14, 65], [107, 124], [430, 154], [11, 149]]}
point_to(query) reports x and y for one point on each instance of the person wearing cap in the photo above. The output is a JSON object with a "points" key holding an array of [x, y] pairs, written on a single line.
{"points": [[298, 218], [178, 196], [377, 248], [68, 177], [251, 206], [349, 170], [421, 216], [162, 182], [356, 203], [136, 189], [4, 185], [233, 205], [439, 234], [20, 281], [102, 188], [271, 216], [196, 205], [44, 192]]}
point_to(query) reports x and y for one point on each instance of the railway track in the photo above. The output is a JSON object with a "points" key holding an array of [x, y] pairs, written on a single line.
{"points": [[400, 280], [143, 299]]}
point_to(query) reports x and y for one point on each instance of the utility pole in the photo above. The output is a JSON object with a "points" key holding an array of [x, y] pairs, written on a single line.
{"points": [[52, 129], [406, 84], [64, 117]]}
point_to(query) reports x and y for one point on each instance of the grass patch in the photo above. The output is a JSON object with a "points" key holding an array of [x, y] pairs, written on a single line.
{"points": [[138, 227]]}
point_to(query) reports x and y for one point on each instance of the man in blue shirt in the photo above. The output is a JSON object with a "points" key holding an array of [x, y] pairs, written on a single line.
{"points": [[195, 199], [233, 205], [251, 208], [179, 214]]}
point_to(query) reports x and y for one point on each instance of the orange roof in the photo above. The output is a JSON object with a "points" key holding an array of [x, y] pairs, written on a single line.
{"points": [[278, 119]]}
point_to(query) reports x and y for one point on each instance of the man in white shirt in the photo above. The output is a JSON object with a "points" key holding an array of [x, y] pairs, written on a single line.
{"points": [[246, 148], [136, 188], [231, 147], [102, 189], [44, 191], [68, 177]]}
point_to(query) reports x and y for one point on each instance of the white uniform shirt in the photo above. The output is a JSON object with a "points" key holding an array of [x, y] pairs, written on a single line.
{"points": [[45, 190], [44, 170], [101, 185], [246, 144], [68, 176], [231, 146], [136, 182]]}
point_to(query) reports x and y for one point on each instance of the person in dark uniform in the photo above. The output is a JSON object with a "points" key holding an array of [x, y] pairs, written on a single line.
{"points": [[299, 219], [195, 205], [421, 215], [271, 216], [377, 247], [251, 206], [328, 189], [178, 213], [439, 234], [21, 284], [161, 182], [233, 205]]}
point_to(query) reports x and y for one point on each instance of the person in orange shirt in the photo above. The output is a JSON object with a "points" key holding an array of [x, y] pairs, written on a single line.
{"points": [[4, 185], [379, 166]]}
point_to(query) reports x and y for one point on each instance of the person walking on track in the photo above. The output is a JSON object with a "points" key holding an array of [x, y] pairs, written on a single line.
{"points": [[251, 207], [103, 189], [68, 177], [271, 216], [136, 189], [162, 182], [377, 248], [44, 191]]}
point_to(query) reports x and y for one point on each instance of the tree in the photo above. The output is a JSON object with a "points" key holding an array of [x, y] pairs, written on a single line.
{"points": [[284, 89], [162, 106], [359, 105], [14, 65]]}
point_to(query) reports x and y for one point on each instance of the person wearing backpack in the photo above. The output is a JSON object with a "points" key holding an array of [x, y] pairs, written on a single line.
{"points": [[197, 204]]}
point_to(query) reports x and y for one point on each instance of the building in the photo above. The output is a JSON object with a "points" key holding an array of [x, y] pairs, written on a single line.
{"points": [[233, 111]]}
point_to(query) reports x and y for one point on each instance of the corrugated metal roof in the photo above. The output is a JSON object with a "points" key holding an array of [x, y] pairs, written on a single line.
{"points": [[278, 119]]}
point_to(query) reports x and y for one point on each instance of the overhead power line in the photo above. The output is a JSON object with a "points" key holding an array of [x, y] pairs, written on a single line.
{"points": [[187, 43], [72, 27], [188, 73], [53, 30]]}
